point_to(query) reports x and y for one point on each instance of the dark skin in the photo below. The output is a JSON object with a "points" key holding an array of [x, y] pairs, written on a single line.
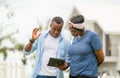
{"points": [[54, 32], [75, 33], [55, 29], [35, 35], [99, 53]]}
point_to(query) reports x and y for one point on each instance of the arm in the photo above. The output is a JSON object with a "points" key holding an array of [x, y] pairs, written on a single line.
{"points": [[28, 46], [67, 57], [99, 56], [97, 48], [34, 37]]}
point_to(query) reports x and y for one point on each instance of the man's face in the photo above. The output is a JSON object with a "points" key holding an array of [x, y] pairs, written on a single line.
{"points": [[55, 29]]}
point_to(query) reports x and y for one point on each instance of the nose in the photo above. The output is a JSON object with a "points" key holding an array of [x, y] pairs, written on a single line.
{"points": [[56, 31]]}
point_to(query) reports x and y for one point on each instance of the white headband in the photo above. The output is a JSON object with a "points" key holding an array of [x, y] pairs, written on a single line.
{"points": [[78, 26]]}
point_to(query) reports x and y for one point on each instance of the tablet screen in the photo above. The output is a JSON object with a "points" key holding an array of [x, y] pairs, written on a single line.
{"points": [[54, 61]]}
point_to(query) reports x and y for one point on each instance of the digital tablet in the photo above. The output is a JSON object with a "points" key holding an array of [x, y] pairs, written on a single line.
{"points": [[53, 61]]}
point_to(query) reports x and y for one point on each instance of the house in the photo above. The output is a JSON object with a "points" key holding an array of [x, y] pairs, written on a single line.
{"points": [[110, 38]]}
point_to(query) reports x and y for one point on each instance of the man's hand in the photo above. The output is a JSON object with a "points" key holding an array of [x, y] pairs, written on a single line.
{"points": [[35, 34], [62, 66]]}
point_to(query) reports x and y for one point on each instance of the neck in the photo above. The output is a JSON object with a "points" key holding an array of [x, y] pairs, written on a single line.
{"points": [[82, 33], [51, 34], [78, 36]]}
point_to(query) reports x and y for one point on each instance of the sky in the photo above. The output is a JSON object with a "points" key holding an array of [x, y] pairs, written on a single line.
{"points": [[31, 13]]}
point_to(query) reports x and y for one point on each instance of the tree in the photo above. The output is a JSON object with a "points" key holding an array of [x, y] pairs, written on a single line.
{"points": [[12, 40], [8, 37]]}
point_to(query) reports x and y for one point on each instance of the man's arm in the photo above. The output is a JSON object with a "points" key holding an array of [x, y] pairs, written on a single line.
{"points": [[100, 56], [35, 35], [29, 46]]}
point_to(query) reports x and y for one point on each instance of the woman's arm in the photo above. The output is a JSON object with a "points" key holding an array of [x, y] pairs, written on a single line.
{"points": [[100, 56]]}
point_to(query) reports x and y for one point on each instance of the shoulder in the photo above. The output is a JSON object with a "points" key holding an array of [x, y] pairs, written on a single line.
{"points": [[65, 41], [94, 36], [42, 36], [92, 33]]}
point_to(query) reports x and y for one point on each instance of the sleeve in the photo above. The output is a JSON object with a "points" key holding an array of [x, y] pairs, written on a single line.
{"points": [[67, 57], [34, 46], [96, 42]]}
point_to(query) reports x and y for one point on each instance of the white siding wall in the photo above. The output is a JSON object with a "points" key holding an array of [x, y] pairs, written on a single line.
{"points": [[115, 39]]}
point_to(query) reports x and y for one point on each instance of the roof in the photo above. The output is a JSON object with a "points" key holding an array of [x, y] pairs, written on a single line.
{"points": [[107, 15]]}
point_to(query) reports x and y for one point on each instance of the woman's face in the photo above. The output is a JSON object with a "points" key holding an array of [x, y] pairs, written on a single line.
{"points": [[74, 32]]}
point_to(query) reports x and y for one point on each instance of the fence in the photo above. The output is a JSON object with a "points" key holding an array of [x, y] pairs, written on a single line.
{"points": [[12, 70]]}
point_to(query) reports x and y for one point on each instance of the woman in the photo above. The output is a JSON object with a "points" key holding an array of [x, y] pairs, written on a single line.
{"points": [[86, 52]]}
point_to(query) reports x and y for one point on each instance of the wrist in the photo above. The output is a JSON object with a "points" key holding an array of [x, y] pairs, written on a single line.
{"points": [[67, 69], [32, 41]]}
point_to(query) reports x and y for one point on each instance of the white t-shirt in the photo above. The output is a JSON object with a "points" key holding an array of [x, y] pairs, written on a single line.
{"points": [[50, 50]]}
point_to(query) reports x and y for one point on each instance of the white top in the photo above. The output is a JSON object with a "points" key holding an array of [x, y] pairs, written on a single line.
{"points": [[50, 50]]}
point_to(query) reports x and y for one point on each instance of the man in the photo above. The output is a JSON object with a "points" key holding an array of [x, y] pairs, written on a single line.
{"points": [[49, 44]]}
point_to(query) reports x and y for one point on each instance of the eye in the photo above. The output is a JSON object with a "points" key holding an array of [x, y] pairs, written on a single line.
{"points": [[53, 28], [72, 30]]}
